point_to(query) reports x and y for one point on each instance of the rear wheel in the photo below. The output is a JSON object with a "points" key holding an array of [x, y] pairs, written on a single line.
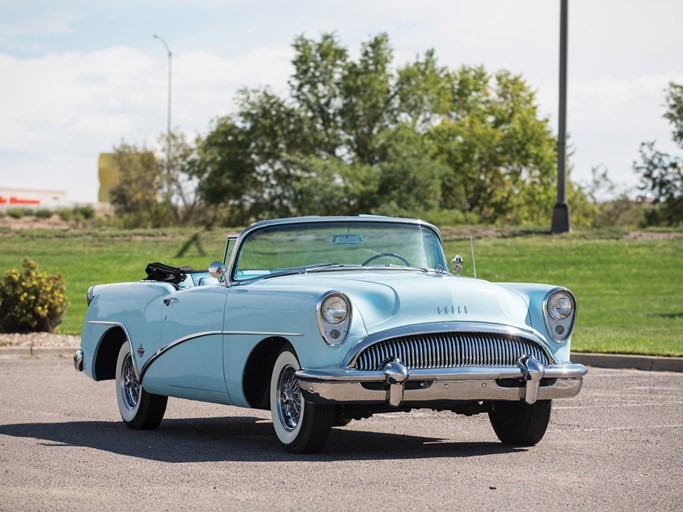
{"points": [[301, 427], [139, 410], [519, 423]]}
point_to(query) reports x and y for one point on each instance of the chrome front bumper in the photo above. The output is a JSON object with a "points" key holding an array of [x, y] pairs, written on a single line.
{"points": [[396, 385]]}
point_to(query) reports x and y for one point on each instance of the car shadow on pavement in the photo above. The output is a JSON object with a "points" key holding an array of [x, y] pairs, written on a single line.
{"points": [[240, 439]]}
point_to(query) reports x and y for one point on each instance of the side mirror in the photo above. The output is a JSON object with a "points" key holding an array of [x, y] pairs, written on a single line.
{"points": [[456, 264], [217, 269]]}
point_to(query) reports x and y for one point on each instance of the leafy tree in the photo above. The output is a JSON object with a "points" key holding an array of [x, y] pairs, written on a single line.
{"points": [[178, 178], [501, 154], [674, 112], [357, 136], [662, 174], [135, 197], [154, 192]]}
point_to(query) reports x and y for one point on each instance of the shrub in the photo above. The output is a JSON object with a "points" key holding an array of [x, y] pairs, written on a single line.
{"points": [[66, 215], [86, 212], [43, 213], [32, 301], [18, 213]]}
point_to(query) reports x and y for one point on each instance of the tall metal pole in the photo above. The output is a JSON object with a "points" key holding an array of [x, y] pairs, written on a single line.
{"points": [[561, 212], [168, 125]]}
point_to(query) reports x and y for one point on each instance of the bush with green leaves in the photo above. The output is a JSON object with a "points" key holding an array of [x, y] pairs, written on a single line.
{"points": [[43, 213], [31, 301], [19, 213], [85, 212]]}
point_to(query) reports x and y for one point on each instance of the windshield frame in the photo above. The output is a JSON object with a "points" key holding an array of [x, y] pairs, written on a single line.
{"points": [[364, 219]]}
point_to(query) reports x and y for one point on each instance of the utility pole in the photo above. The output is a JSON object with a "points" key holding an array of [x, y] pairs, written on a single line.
{"points": [[561, 212], [168, 124]]}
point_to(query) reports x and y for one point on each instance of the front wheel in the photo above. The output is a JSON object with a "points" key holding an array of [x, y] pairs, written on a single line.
{"points": [[139, 409], [301, 427], [519, 423]]}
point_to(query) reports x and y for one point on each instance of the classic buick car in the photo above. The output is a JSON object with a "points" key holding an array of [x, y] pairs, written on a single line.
{"points": [[323, 320]]}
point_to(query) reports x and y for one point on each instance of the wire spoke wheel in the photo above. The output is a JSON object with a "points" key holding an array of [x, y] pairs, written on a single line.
{"points": [[138, 408], [301, 427], [289, 405], [130, 387]]}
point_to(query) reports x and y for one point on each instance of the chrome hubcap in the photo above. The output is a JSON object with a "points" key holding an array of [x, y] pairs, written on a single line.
{"points": [[130, 387], [289, 403]]}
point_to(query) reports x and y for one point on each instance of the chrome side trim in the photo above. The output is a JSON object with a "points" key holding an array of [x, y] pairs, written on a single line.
{"points": [[168, 347], [260, 333], [430, 328], [196, 335], [130, 342]]}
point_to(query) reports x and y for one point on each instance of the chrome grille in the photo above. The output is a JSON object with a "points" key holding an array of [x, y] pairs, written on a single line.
{"points": [[450, 349]]}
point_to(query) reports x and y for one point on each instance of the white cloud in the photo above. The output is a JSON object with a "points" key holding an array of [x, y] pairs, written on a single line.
{"points": [[61, 110], [74, 82], [45, 23]]}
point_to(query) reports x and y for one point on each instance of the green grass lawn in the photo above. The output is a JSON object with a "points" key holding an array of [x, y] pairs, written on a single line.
{"points": [[629, 290]]}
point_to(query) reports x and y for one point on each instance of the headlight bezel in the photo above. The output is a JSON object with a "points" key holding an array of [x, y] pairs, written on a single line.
{"points": [[559, 327], [334, 333]]}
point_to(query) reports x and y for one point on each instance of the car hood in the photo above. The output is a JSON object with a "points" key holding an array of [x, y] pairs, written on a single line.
{"points": [[388, 299]]}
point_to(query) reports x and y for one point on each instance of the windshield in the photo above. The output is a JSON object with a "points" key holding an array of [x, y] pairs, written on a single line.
{"points": [[290, 247]]}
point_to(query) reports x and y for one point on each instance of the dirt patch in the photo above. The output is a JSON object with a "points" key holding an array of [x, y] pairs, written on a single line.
{"points": [[39, 339], [32, 222], [653, 235]]}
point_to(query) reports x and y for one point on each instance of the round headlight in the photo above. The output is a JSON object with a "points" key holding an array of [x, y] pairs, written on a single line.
{"points": [[560, 306], [334, 309]]}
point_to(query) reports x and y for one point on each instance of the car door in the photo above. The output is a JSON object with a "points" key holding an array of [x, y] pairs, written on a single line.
{"points": [[192, 333]]}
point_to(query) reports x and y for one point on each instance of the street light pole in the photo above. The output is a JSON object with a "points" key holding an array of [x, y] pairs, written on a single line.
{"points": [[168, 125], [561, 212]]}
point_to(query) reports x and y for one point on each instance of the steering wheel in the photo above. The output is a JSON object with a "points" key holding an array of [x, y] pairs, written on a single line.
{"points": [[383, 254]]}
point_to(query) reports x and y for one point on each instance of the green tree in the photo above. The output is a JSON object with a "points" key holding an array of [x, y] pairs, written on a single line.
{"points": [[178, 179], [359, 136], [153, 192], [501, 153], [674, 111], [135, 198], [662, 174]]}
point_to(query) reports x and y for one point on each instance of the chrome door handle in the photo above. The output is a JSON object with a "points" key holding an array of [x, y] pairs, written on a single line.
{"points": [[168, 300]]}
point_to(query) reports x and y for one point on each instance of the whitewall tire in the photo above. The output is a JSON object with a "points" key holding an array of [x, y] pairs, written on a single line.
{"points": [[301, 427], [138, 409]]}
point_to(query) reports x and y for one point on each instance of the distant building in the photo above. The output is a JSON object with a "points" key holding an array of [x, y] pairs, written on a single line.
{"points": [[34, 199]]}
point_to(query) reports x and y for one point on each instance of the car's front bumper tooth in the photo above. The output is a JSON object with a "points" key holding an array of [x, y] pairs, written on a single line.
{"points": [[78, 360], [396, 385]]}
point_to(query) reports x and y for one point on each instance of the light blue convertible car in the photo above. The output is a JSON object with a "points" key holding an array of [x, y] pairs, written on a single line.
{"points": [[324, 320]]}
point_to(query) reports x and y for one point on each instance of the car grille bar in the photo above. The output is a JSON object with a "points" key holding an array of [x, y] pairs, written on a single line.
{"points": [[450, 350]]}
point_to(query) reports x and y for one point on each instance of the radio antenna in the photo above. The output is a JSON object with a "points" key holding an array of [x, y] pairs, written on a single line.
{"points": [[469, 229]]}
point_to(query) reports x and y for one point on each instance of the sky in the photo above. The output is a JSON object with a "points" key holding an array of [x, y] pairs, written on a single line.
{"points": [[78, 77]]}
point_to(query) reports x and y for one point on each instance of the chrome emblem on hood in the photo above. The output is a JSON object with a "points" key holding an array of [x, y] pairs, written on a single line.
{"points": [[451, 310]]}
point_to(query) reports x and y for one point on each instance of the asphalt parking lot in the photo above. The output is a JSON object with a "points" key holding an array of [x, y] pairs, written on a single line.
{"points": [[617, 446]]}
